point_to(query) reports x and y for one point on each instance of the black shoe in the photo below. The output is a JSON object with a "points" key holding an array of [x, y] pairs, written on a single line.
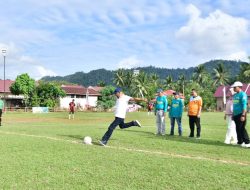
{"points": [[191, 136], [137, 123]]}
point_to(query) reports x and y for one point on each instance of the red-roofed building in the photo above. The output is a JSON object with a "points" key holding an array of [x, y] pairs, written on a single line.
{"points": [[84, 97], [96, 88], [10, 99], [219, 95], [170, 92]]}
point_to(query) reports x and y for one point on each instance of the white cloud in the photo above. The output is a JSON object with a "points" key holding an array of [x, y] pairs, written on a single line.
{"points": [[40, 71], [241, 55], [17, 63], [217, 35], [130, 62]]}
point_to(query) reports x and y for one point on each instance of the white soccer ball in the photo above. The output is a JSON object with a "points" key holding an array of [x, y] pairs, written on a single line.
{"points": [[87, 140]]}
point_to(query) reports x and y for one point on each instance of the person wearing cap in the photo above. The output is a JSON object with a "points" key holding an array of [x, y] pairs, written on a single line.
{"points": [[120, 114], [161, 106], [239, 114], [194, 113], [231, 128], [175, 113]]}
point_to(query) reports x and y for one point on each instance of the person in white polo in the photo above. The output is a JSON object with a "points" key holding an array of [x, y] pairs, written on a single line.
{"points": [[231, 128], [120, 114]]}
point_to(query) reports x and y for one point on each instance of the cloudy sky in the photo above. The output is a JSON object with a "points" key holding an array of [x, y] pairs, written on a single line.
{"points": [[61, 37]]}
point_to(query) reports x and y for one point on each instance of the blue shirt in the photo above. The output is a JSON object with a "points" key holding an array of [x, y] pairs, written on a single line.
{"points": [[176, 108], [239, 103], [161, 103]]}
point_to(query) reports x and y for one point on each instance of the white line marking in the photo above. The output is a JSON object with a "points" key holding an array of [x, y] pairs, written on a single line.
{"points": [[137, 150]]}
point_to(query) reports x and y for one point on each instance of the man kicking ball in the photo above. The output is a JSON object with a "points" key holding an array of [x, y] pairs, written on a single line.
{"points": [[120, 113]]}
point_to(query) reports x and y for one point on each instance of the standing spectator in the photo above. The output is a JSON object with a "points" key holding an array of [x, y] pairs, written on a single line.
{"points": [[120, 114], [194, 113], [175, 113], [72, 109], [1, 110], [150, 108], [239, 114], [161, 106], [231, 128]]}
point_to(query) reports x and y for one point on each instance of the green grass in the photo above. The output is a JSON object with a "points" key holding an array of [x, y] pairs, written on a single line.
{"points": [[45, 151]]}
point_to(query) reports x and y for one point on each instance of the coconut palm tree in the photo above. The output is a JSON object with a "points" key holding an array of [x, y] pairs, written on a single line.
{"points": [[154, 78], [140, 87], [181, 83], [221, 75], [168, 82], [244, 74], [120, 78], [200, 75]]}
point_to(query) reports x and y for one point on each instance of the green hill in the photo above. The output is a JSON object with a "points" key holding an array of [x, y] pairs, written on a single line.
{"points": [[95, 76]]}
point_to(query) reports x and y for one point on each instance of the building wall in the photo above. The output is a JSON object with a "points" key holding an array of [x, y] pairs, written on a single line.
{"points": [[80, 102], [220, 106]]}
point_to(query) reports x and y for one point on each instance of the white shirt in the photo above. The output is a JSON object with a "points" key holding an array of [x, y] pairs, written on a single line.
{"points": [[121, 106]]}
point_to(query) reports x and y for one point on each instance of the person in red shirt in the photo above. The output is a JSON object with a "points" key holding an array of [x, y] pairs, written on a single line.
{"points": [[72, 109], [150, 108]]}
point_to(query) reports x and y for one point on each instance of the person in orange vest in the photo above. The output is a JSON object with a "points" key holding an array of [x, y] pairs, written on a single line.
{"points": [[194, 113]]}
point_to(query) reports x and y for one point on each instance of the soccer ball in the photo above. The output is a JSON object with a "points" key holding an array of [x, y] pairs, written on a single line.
{"points": [[87, 140]]}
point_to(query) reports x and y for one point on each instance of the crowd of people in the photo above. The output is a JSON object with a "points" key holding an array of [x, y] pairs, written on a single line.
{"points": [[235, 114]]}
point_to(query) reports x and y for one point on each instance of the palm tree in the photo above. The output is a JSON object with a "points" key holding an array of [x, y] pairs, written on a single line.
{"points": [[139, 86], [246, 69], [244, 74], [200, 75], [168, 82], [221, 75], [154, 78], [181, 83], [119, 78]]}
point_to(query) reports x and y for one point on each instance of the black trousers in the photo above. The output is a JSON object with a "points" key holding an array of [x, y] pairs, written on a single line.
{"points": [[113, 125], [241, 131], [1, 112], [194, 120]]}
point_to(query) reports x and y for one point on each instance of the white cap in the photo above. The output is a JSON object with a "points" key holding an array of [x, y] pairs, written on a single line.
{"points": [[237, 83]]}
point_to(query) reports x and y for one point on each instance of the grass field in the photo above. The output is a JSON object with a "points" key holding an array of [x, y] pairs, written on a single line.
{"points": [[45, 151]]}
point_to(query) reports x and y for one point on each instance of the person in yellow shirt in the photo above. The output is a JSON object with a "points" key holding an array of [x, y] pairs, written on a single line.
{"points": [[194, 113]]}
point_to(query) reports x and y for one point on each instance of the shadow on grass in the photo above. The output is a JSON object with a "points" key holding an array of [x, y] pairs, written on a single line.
{"points": [[95, 141], [177, 138], [152, 136]]}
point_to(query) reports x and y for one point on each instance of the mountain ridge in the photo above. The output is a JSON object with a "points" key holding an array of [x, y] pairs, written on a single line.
{"points": [[102, 75]]}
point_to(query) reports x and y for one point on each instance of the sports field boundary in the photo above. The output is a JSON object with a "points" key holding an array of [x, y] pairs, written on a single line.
{"points": [[134, 150]]}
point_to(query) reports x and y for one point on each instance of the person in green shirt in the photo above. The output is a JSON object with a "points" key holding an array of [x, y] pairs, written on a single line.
{"points": [[239, 114], [161, 106], [1, 110], [175, 113]]}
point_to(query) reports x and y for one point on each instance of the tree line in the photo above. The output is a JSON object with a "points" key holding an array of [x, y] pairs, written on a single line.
{"points": [[145, 83], [105, 77], [40, 93], [204, 79]]}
